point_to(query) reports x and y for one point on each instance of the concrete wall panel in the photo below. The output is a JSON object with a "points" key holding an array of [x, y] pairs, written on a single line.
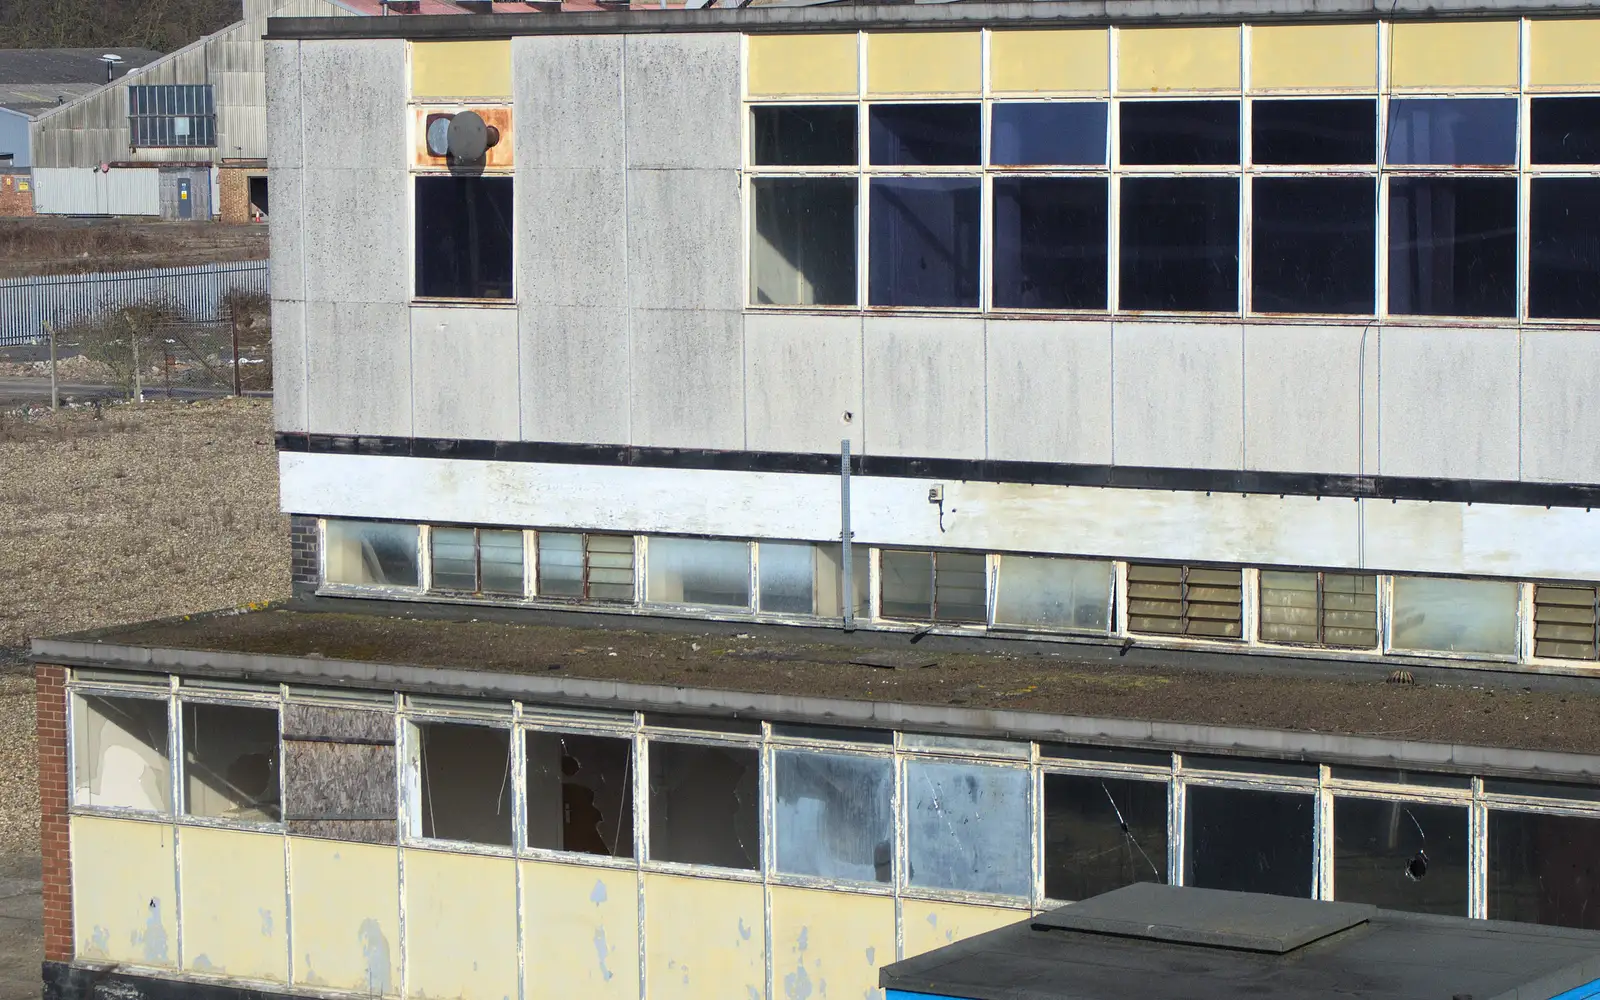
{"points": [[573, 238], [287, 260], [574, 374], [358, 378], [684, 239], [234, 904], [830, 943], [346, 916], [802, 377], [1178, 395], [355, 247], [124, 892], [582, 932], [464, 379], [283, 104], [703, 938], [933, 925], [683, 100], [923, 382], [687, 373], [1049, 391], [1303, 397], [461, 926], [1448, 403], [1560, 423], [354, 104], [568, 93], [288, 366]]}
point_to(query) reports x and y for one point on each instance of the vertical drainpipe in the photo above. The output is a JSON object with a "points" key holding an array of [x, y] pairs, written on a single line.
{"points": [[846, 563]]}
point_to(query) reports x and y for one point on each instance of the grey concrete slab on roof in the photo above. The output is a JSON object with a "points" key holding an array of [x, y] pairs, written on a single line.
{"points": [[1303, 398], [1178, 394], [1049, 389], [568, 101], [684, 239], [19, 66], [283, 102], [355, 247], [464, 372], [289, 365], [802, 382], [683, 101], [687, 375], [1560, 424], [1449, 402], [574, 365], [573, 237], [353, 104], [358, 368], [923, 381]]}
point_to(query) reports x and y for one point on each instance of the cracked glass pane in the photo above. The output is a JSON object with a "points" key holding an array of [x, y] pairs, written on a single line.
{"points": [[1544, 869], [833, 815], [705, 805], [580, 793], [1400, 855], [1101, 834], [1248, 841], [968, 827], [230, 762], [119, 753], [466, 782], [371, 553]]}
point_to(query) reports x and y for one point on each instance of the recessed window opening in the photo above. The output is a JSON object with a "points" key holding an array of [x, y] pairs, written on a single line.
{"points": [[968, 827], [1565, 618], [698, 571], [1405, 856], [465, 783], [1180, 244], [477, 560], [371, 553], [1185, 600], [580, 793], [834, 815], [230, 762], [1319, 609], [1248, 841], [933, 586], [464, 237], [120, 756], [925, 135], [705, 805], [585, 567], [803, 241], [1437, 614], [1102, 833], [805, 135], [1045, 592]]}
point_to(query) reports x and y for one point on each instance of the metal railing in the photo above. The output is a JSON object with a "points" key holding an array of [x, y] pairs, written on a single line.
{"points": [[29, 305]]}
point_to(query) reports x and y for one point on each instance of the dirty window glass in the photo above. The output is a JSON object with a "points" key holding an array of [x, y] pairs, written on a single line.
{"points": [[1544, 869], [1101, 834], [1564, 248], [466, 782], [1058, 133], [968, 827], [464, 227], [787, 578], [1050, 242], [803, 247], [924, 239], [809, 135], [580, 793], [705, 805], [1328, 609], [1453, 246], [1180, 132], [834, 815], [230, 762], [500, 561], [1315, 245], [472, 560], [120, 753], [1566, 130], [371, 553], [1342, 131], [905, 581], [455, 558], [1435, 614], [698, 571], [924, 135], [1400, 855], [1041, 592], [597, 567], [1447, 131], [1180, 244], [933, 586], [1248, 841]]}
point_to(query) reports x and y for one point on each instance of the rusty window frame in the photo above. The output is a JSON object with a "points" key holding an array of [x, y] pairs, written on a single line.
{"points": [[1185, 600]]}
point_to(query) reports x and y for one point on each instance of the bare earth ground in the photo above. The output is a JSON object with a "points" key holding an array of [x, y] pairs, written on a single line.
{"points": [[60, 245], [151, 510]]}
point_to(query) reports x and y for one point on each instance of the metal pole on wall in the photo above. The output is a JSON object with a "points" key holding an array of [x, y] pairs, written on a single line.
{"points": [[847, 564], [55, 397]]}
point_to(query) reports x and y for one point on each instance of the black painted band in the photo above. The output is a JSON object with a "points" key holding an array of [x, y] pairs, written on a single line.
{"points": [[64, 981]]}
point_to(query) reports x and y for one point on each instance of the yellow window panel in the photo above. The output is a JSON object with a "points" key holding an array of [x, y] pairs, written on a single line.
{"points": [[1042, 62], [836, 938], [1158, 60], [461, 69], [703, 938], [234, 904], [1562, 54], [1437, 56], [803, 65], [1314, 57], [929, 925], [926, 62]]}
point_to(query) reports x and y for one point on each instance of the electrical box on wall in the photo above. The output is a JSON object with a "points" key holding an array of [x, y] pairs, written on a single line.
{"points": [[460, 137]]}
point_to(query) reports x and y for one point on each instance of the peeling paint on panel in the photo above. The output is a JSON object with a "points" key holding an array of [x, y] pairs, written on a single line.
{"points": [[818, 938], [99, 944], [155, 937], [602, 952], [375, 951], [696, 937], [203, 964], [598, 895], [266, 921], [233, 882], [933, 925], [123, 890], [346, 915], [460, 905]]}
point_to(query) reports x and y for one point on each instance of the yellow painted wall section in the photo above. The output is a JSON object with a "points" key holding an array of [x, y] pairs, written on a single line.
{"points": [[1563, 53], [461, 926], [582, 932], [1158, 60], [1441, 55], [124, 892], [703, 938], [783, 65], [926, 62], [346, 916], [1314, 57], [934, 925], [1043, 62], [830, 944], [233, 903], [461, 69]]}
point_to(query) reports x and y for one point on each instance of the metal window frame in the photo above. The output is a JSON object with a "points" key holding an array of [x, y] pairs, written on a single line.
{"points": [[153, 109]]}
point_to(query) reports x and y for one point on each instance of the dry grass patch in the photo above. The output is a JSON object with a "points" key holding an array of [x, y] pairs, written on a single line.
{"points": [[57, 245]]}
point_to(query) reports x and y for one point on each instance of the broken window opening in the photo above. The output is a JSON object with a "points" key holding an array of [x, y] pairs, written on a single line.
{"points": [[818, 135], [1453, 246], [1437, 614], [803, 241], [1050, 242], [580, 793], [585, 567], [925, 135], [799, 578], [1180, 244], [477, 560], [924, 240], [1544, 869], [933, 586], [464, 236], [1044, 592], [1319, 609], [698, 571], [1171, 133], [466, 782], [1563, 248], [1452, 131], [1401, 855], [120, 753], [705, 805], [1314, 243], [1321, 132], [371, 553], [230, 762], [1185, 600], [1248, 841], [1053, 133], [833, 815], [968, 827], [1101, 834]]}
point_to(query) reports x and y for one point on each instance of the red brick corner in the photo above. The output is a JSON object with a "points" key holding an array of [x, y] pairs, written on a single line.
{"points": [[55, 839]]}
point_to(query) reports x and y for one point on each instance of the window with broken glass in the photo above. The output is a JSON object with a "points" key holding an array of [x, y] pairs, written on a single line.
{"points": [[705, 804], [933, 586], [461, 777], [1102, 833], [968, 827], [120, 753], [1401, 855], [579, 792], [230, 761]]}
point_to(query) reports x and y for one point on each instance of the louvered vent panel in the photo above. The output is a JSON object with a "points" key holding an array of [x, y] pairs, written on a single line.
{"points": [[1319, 609], [1185, 600], [1564, 622], [610, 568]]}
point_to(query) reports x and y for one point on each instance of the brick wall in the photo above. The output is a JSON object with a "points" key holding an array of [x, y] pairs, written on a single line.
{"points": [[16, 194], [304, 566], [55, 840]]}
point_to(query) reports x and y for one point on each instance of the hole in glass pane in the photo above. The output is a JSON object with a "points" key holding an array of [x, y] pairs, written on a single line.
{"points": [[830, 580], [960, 591], [818, 135], [924, 239], [1314, 132], [1042, 592], [1058, 133], [1435, 614], [1101, 834], [698, 571], [1315, 245], [968, 827], [704, 805], [1448, 131], [1050, 242], [1180, 244], [1564, 248], [1453, 246], [804, 246], [464, 227], [1566, 130], [230, 761], [120, 753], [580, 793], [1180, 132], [466, 782], [1248, 841], [1400, 855], [371, 553], [1544, 869], [925, 135], [834, 815]]}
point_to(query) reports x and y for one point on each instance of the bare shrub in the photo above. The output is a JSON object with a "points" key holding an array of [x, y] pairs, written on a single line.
{"points": [[115, 337]]}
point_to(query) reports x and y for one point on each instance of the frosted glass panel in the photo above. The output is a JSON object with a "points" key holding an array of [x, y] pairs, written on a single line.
{"points": [[698, 571], [1457, 616], [833, 815], [787, 572], [1053, 593]]}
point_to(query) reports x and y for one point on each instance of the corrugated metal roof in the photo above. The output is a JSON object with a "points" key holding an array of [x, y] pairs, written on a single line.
{"points": [[36, 66], [32, 98]]}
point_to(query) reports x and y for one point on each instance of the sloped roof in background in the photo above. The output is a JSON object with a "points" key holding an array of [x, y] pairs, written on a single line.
{"points": [[82, 66], [32, 98]]}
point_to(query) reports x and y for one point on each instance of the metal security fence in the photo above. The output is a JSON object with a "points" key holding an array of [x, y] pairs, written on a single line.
{"points": [[27, 305]]}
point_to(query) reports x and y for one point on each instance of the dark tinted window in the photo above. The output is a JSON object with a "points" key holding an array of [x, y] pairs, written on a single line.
{"points": [[1453, 246], [1178, 132], [1566, 130], [1101, 834], [822, 135], [804, 251], [1400, 855], [1564, 248], [1248, 841], [1065, 133], [1442, 131], [464, 237], [1310, 132], [924, 241], [915, 135], [1050, 242], [1544, 869], [1180, 244], [1314, 243]]}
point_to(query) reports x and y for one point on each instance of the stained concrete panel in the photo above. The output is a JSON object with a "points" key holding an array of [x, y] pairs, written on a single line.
{"points": [[684, 239], [573, 233], [581, 927], [355, 247], [358, 378], [283, 104], [1448, 402], [1560, 422], [924, 386], [124, 892], [353, 109], [1178, 395], [683, 100], [687, 379], [568, 94], [464, 373], [346, 916], [288, 365], [802, 382], [235, 908], [461, 926], [574, 374], [1303, 397], [286, 265], [1049, 390]]}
